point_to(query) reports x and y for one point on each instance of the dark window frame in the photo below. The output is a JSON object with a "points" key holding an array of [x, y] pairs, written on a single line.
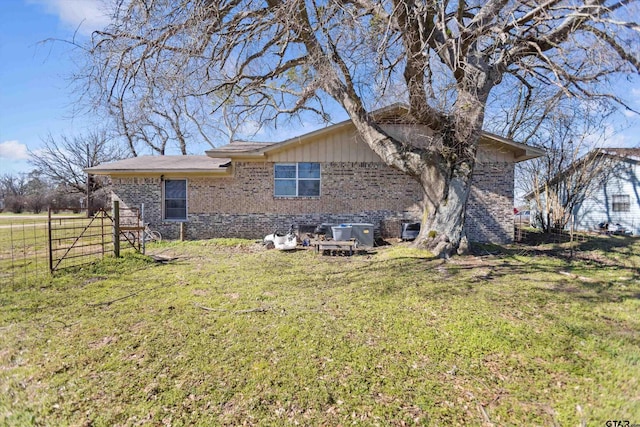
{"points": [[166, 201], [621, 203]]}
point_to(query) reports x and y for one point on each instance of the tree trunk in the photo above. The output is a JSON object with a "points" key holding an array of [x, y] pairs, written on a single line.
{"points": [[444, 209], [443, 168], [444, 171]]}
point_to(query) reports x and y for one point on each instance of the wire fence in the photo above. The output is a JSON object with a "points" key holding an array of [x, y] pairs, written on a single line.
{"points": [[32, 247], [75, 241], [24, 254], [529, 236]]}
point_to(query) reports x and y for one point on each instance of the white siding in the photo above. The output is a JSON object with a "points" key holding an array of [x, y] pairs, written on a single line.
{"points": [[624, 180]]}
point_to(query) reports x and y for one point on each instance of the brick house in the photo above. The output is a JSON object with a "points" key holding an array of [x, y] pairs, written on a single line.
{"points": [[327, 176]]}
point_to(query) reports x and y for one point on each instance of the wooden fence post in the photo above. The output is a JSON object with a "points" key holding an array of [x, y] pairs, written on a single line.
{"points": [[116, 228]]}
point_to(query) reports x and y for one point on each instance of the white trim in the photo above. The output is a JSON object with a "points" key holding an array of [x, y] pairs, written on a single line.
{"points": [[297, 179]]}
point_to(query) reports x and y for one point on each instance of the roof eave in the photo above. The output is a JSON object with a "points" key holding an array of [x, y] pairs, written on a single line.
{"points": [[529, 155], [157, 171], [254, 154], [262, 153], [522, 152]]}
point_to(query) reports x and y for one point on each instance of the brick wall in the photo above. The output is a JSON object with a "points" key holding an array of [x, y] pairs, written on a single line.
{"points": [[243, 205], [490, 205], [133, 192], [345, 187]]}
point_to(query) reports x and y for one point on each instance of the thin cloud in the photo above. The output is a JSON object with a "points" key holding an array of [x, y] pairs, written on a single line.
{"points": [[84, 15], [13, 150]]}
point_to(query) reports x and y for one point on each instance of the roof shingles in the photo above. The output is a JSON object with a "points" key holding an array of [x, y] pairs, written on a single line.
{"points": [[163, 164]]}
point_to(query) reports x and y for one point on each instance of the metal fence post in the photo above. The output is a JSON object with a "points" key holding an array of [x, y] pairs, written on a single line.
{"points": [[142, 234], [49, 236], [116, 228], [102, 229]]}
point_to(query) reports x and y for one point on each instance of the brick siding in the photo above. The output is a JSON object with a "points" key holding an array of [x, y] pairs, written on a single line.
{"points": [[490, 206], [244, 205]]}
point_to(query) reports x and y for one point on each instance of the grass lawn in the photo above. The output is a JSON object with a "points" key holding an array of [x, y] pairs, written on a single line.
{"points": [[28, 218], [231, 334]]}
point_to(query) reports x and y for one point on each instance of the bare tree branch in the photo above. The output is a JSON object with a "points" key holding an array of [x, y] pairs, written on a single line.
{"points": [[161, 61]]}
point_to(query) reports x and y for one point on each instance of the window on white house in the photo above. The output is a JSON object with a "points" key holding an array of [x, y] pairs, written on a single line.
{"points": [[297, 179], [620, 203], [175, 199]]}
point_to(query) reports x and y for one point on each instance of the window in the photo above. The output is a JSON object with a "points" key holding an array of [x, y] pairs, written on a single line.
{"points": [[175, 199], [297, 179], [620, 203]]}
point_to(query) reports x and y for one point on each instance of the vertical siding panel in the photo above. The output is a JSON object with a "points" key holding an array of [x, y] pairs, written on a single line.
{"points": [[297, 153], [322, 151], [348, 150], [353, 150], [343, 149], [306, 152], [313, 151], [367, 153], [331, 149], [374, 156]]}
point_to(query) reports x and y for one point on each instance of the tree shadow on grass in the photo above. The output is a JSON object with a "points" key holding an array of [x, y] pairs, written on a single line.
{"points": [[549, 268], [570, 272], [563, 247]]}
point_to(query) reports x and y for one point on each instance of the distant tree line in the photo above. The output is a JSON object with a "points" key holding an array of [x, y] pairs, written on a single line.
{"points": [[33, 192], [58, 179]]}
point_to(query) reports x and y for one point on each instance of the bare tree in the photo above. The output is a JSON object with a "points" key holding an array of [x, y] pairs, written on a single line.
{"points": [[572, 168], [277, 58], [62, 160], [14, 191], [572, 132], [163, 120], [38, 192], [555, 197], [25, 191], [159, 111]]}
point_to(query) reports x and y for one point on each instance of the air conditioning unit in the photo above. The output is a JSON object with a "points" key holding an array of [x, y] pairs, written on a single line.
{"points": [[363, 233]]}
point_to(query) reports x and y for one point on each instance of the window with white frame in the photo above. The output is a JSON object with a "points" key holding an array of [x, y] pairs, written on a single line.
{"points": [[175, 199], [297, 179], [620, 203]]}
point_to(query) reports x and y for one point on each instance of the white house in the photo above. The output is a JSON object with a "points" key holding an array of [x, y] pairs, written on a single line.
{"points": [[612, 196], [616, 199]]}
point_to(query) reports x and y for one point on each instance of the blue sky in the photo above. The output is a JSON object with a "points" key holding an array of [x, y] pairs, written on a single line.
{"points": [[35, 97]]}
